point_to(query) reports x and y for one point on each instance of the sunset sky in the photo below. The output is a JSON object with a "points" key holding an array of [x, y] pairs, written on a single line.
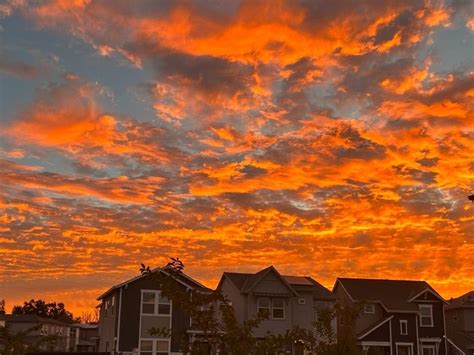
{"points": [[328, 138]]}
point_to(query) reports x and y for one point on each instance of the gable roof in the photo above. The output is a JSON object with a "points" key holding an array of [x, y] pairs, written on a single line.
{"points": [[308, 284], [245, 282], [31, 318], [394, 295], [180, 276], [464, 301]]}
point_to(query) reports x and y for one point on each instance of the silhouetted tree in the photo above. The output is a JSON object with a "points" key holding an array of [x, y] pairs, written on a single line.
{"points": [[214, 316], [2, 306], [51, 310], [17, 344]]}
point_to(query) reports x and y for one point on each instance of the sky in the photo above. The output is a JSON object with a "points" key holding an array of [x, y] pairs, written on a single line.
{"points": [[326, 138]]}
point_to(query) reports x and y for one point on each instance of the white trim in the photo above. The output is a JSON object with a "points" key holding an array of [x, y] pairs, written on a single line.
{"points": [[405, 322], [119, 314], [427, 290], [455, 346], [376, 327], [284, 308], [404, 344], [417, 336], [423, 347], [374, 343], [154, 342], [391, 337], [372, 309], [155, 313], [430, 307], [338, 281]]}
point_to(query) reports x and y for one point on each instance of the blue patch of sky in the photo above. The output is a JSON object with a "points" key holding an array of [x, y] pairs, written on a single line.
{"points": [[453, 48], [74, 56]]}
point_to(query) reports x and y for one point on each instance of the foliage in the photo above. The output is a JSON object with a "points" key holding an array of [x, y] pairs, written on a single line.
{"points": [[51, 310], [2, 306], [16, 344], [214, 316]]}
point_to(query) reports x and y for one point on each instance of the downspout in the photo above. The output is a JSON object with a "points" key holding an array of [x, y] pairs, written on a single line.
{"points": [[390, 326], [119, 318], [445, 335], [417, 336]]}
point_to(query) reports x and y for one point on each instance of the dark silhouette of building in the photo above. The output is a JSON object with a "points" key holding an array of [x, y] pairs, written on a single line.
{"points": [[398, 318], [460, 322], [130, 309]]}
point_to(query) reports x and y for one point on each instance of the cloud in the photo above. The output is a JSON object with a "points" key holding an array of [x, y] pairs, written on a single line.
{"points": [[282, 130]]}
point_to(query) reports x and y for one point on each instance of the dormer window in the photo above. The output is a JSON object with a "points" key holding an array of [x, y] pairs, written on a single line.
{"points": [[369, 308], [426, 315]]}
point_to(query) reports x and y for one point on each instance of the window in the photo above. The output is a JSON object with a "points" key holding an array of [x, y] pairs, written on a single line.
{"points": [[162, 347], [455, 317], [153, 303], [148, 303], [278, 308], [404, 350], [146, 347], [428, 350], [112, 305], [403, 327], [369, 308], [164, 306], [301, 301], [154, 347], [263, 305], [426, 315]]}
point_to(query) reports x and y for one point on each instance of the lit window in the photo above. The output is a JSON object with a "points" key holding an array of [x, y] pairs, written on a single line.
{"points": [[369, 308], [263, 305], [278, 308], [426, 315], [403, 327]]}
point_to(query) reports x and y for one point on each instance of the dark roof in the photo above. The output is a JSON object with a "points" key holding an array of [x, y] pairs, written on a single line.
{"points": [[308, 284], [30, 318], [245, 282], [464, 301], [394, 295], [180, 276]]}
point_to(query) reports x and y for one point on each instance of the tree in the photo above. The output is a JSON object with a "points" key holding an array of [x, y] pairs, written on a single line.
{"points": [[51, 310], [213, 315], [220, 329], [2, 306], [90, 317], [16, 344]]}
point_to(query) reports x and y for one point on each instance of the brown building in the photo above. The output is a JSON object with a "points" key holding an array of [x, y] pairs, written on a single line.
{"points": [[399, 317], [130, 309], [20, 322], [460, 322]]}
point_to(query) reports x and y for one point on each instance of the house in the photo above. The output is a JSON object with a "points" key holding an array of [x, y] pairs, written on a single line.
{"points": [[290, 300], [130, 309], [46, 326], [398, 318], [84, 337], [460, 322]]}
